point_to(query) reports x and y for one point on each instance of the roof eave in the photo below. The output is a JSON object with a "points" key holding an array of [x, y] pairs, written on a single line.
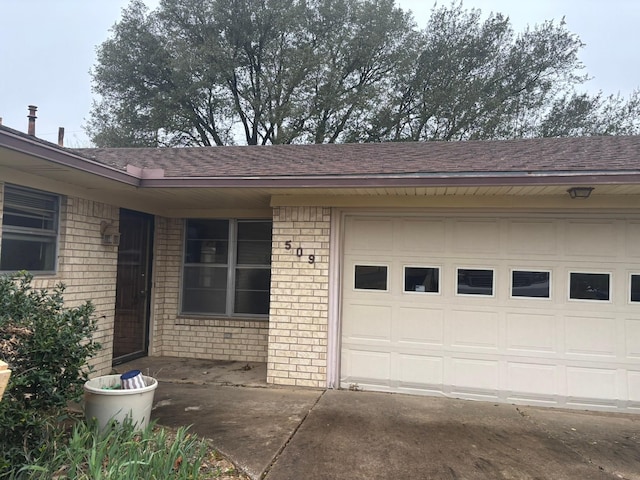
{"points": [[422, 180], [53, 153]]}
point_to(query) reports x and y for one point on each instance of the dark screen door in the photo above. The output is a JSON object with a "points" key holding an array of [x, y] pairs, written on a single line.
{"points": [[131, 326]]}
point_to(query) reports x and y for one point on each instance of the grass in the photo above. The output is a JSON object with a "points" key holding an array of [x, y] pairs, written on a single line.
{"points": [[86, 453]]}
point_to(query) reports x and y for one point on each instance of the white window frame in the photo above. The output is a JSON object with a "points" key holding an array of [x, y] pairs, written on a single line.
{"points": [[537, 270], [632, 302], [415, 292], [610, 274], [369, 264], [475, 295]]}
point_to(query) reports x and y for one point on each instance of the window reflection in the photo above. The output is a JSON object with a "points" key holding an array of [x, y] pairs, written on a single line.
{"points": [[530, 284]]}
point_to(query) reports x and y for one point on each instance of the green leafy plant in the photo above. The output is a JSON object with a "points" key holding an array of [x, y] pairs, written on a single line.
{"points": [[121, 451], [47, 346]]}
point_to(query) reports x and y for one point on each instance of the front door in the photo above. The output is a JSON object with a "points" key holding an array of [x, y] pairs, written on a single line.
{"points": [[131, 326]]}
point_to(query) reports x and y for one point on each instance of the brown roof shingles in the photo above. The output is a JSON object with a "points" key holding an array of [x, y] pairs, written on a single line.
{"points": [[540, 155]]}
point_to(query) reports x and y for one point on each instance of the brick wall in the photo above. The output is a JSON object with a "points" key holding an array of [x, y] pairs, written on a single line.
{"points": [[195, 336], [299, 307], [86, 267]]}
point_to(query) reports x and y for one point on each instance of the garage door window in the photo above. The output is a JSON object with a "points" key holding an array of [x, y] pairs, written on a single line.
{"points": [[635, 287], [422, 279], [370, 277], [589, 286], [473, 281], [530, 284]]}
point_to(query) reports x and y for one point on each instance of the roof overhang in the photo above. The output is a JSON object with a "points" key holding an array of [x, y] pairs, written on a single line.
{"points": [[37, 163]]}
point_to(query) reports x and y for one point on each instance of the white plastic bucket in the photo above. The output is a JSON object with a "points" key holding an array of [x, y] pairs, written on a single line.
{"points": [[117, 404]]}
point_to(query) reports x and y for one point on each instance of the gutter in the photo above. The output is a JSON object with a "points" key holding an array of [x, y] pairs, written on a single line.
{"points": [[411, 180]]}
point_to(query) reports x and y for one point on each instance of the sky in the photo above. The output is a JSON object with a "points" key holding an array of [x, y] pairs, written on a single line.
{"points": [[47, 49]]}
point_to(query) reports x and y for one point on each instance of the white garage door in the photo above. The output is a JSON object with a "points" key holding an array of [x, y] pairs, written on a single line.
{"points": [[527, 309]]}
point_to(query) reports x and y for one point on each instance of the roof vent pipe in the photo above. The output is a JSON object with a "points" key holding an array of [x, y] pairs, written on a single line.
{"points": [[32, 120], [61, 136]]}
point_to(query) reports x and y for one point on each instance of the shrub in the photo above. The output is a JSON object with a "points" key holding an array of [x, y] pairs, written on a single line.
{"points": [[47, 346]]}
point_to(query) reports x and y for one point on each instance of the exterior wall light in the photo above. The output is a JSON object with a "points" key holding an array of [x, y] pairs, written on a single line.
{"points": [[109, 234], [580, 192]]}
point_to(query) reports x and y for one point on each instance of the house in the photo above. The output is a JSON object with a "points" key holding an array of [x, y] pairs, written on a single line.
{"points": [[506, 271]]}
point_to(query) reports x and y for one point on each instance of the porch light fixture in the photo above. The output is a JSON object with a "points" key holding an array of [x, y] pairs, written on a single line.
{"points": [[109, 234], [580, 192]]}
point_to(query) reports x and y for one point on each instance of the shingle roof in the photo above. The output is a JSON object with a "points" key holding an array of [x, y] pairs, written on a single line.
{"points": [[540, 155]]}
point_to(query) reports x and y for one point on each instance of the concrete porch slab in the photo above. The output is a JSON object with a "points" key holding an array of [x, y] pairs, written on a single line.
{"points": [[198, 371]]}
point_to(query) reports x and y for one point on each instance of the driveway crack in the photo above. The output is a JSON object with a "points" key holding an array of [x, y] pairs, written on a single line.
{"points": [[288, 441]]}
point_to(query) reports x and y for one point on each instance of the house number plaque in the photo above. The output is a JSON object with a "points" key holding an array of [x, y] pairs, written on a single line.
{"points": [[300, 252]]}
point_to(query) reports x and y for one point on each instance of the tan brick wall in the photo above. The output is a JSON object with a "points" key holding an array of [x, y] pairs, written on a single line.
{"points": [[299, 307], [86, 267], [195, 336]]}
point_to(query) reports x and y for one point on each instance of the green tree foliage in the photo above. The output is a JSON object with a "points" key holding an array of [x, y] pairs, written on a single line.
{"points": [[218, 72], [47, 346]]}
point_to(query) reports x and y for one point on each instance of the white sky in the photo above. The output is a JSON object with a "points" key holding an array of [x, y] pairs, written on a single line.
{"points": [[47, 48]]}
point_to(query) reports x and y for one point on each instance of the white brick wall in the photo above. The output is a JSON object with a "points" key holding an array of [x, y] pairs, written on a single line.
{"points": [[294, 340], [86, 267], [299, 307]]}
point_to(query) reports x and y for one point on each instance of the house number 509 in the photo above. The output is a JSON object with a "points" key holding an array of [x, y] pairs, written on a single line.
{"points": [[299, 252]]}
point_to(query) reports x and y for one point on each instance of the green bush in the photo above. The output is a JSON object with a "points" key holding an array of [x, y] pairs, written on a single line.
{"points": [[47, 346]]}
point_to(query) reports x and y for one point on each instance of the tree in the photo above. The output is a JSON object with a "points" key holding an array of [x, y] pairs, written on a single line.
{"points": [[581, 114], [477, 80], [279, 71], [217, 72]]}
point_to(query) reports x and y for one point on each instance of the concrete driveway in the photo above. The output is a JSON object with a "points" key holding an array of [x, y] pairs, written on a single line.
{"points": [[291, 434], [282, 434]]}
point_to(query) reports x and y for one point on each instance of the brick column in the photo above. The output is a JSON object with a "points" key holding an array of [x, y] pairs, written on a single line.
{"points": [[298, 315]]}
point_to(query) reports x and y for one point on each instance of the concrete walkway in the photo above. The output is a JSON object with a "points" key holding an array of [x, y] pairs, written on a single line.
{"points": [[289, 434]]}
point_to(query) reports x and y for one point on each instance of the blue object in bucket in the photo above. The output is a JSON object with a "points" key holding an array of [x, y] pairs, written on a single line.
{"points": [[132, 379]]}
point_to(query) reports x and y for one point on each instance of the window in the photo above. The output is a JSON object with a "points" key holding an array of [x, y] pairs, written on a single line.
{"points": [[370, 277], [473, 281], [227, 267], [589, 286], [530, 284], [422, 279], [635, 287], [29, 230]]}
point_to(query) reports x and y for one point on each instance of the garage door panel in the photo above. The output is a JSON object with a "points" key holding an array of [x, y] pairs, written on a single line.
{"points": [[584, 383], [531, 378], [474, 329], [420, 326], [419, 235], [632, 234], [420, 370], [473, 375], [532, 237], [369, 234], [587, 336], [368, 322], [472, 236], [530, 332], [633, 384], [365, 366], [591, 238], [632, 338]]}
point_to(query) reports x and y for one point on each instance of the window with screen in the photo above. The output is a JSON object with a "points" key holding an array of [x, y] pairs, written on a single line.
{"points": [[29, 230]]}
